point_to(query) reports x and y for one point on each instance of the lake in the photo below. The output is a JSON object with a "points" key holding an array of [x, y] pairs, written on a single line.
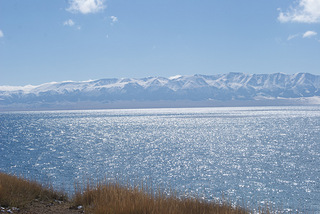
{"points": [[254, 155]]}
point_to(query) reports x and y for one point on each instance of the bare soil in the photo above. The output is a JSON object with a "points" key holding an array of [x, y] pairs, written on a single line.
{"points": [[48, 207]]}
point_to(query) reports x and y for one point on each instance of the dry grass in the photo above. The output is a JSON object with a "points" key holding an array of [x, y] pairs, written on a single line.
{"points": [[116, 199], [17, 192], [110, 198]]}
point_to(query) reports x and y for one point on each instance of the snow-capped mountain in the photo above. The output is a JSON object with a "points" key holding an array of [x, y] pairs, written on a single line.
{"points": [[235, 89]]}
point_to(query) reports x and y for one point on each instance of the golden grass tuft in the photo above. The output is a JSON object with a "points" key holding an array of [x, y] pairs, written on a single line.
{"points": [[104, 198], [17, 192], [116, 199]]}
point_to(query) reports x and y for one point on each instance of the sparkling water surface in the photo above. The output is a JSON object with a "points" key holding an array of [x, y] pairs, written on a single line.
{"points": [[253, 155]]}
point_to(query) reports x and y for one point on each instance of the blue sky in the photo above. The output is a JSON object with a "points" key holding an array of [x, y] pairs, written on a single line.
{"points": [[44, 40]]}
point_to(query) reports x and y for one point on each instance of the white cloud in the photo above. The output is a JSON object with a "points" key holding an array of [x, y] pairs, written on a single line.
{"points": [[306, 11], [86, 6], [114, 19], [293, 36], [68, 23], [1, 34], [309, 34]]}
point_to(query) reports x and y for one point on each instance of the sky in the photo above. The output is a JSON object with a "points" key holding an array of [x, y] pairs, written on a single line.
{"points": [[45, 41]]}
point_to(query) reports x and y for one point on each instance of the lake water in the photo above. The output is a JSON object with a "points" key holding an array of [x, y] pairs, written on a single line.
{"points": [[253, 155]]}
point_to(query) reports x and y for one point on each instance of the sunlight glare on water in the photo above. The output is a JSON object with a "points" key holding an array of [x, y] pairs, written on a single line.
{"points": [[257, 155]]}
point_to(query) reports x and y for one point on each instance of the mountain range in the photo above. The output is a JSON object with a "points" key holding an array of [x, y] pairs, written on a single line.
{"points": [[231, 89]]}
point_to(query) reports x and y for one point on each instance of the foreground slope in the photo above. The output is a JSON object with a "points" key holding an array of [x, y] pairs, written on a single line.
{"points": [[18, 195], [232, 89]]}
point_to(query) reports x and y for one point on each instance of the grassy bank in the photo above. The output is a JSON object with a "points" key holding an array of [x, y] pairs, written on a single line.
{"points": [[106, 198], [113, 198], [18, 192]]}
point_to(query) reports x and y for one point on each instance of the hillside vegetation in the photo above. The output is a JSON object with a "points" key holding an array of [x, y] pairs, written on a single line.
{"points": [[32, 197]]}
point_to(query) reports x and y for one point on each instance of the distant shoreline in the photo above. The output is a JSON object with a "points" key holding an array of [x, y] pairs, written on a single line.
{"points": [[162, 104]]}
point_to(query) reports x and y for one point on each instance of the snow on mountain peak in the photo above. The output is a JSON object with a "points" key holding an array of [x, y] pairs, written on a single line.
{"points": [[175, 77], [200, 88]]}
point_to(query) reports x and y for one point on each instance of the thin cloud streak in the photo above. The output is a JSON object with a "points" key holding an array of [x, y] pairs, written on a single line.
{"points": [[307, 34], [293, 36]]}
